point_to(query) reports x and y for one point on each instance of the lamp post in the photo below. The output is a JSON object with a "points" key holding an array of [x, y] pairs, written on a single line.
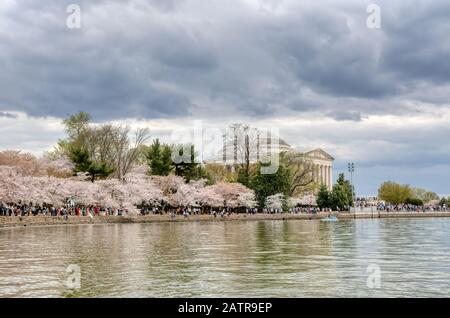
{"points": [[351, 169]]}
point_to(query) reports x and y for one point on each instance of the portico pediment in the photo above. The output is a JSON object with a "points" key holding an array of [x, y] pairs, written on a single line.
{"points": [[319, 154]]}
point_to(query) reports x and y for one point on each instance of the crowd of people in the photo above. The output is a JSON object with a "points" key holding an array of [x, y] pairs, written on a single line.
{"points": [[308, 210], [29, 209], [379, 205], [412, 208], [71, 209], [366, 202]]}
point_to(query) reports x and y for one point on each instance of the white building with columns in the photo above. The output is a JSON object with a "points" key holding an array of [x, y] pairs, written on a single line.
{"points": [[323, 166], [233, 153]]}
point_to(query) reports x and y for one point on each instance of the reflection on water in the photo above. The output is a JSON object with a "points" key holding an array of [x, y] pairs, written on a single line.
{"points": [[230, 259]]}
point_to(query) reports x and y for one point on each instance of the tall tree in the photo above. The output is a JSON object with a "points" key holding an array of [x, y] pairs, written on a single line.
{"points": [[159, 158], [76, 124], [187, 165], [340, 197], [324, 197], [243, 140], [80, 158], [301, 172], [82, 162], [128, 151], [166, 160], [266, 185], [106, 145], [343, 195], [424, 195], [394, 193]]}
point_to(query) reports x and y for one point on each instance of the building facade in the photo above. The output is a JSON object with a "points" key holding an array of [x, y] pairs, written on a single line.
{"points": [[323, 166], [253, 149]]}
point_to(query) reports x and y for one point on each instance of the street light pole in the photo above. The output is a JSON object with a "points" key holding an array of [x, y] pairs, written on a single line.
{"points": [[351, 169]]}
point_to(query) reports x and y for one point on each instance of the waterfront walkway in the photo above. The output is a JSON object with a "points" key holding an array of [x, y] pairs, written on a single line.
{"points": [[23, 221]]}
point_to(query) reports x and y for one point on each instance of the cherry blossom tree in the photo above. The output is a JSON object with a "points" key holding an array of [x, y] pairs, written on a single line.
{"points": [[30, 165], [308, 200], [235, 195], [135, 188], [169, 185], [208, 197], [275, 201], [11, 187]]}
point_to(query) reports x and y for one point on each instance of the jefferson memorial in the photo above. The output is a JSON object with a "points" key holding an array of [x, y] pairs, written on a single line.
{"points": [[234, 151]]}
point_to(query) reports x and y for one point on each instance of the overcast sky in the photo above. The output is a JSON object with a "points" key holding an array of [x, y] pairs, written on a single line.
{"points": [[313, 69]]}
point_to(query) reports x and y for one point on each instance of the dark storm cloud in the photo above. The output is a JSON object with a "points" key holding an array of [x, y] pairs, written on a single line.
{"points": [[417, 48], [332, 59], [172, 58], [239, 60]]}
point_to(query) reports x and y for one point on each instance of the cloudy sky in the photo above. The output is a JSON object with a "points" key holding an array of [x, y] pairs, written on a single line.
{"points": [[313, 69]]}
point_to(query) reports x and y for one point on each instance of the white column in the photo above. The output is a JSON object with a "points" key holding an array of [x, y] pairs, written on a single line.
{"points": [[330, 180], [330, 176], [323, 175], [313, 173], [316, 173]]}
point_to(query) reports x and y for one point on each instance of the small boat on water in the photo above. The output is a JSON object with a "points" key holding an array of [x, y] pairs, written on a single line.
{"points": [[330, 218]]}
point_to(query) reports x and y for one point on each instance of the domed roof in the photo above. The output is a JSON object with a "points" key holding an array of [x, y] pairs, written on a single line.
{"points": [[281, 143], [275, 144]]}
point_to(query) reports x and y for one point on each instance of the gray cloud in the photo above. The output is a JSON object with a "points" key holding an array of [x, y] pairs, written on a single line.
{"points": [[236, 59], [7, 115], [170, 58], [345, 116]]}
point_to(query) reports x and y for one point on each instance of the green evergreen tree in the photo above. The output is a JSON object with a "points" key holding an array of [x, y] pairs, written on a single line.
{"points": [[347, 192], [154, 158], [266, 185], [340, 198], [99, 170], [166, 160], [444, 201], [243, 177], [324, 197], [83, 163], [80, 158], [159, 159], [187, 167]]}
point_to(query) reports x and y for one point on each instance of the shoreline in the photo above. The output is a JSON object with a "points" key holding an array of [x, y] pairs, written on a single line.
{"points": [[34, 221]]}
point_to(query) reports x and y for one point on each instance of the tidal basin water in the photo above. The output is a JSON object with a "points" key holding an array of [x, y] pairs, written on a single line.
{"points": [[356, 258]]}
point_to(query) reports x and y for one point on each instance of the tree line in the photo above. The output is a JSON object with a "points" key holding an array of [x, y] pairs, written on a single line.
{"points": [[107, 151], [395, 193]]}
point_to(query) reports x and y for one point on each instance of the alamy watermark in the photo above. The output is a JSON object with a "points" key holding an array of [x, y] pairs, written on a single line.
{"points": [[73, 21], [374, 276], [374, 19], [74, 276], [238, 144]]}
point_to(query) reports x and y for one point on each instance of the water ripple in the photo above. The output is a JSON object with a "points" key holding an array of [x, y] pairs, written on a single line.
{"points": [[230, 259]]}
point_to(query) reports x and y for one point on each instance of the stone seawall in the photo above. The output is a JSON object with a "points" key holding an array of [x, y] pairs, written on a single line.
{"points": [[16, 221], [383, 215]]}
